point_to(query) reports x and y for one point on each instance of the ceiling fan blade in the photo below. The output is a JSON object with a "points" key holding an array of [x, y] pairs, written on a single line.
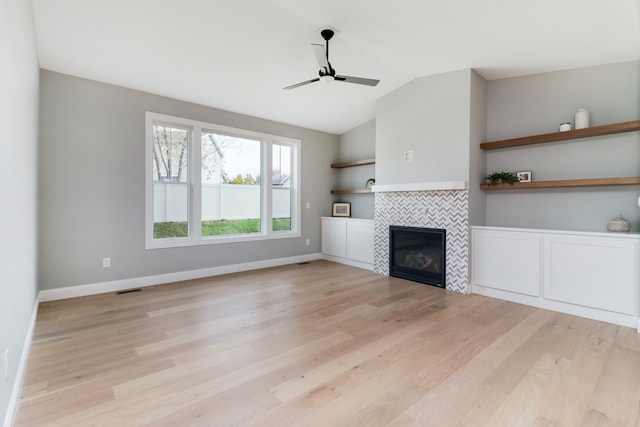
{"points": [[302, 83], [357, 80], [321, 56]]}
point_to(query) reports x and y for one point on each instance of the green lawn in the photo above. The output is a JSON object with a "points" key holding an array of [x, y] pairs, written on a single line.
{"points": [[217, 228]]}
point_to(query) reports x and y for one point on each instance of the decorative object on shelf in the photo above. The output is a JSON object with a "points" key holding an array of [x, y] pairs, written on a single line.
{"points": [[342, 209], [619, 224], [370, 183], [524, 176], [565, 126], [582, 118], [502, 177]]}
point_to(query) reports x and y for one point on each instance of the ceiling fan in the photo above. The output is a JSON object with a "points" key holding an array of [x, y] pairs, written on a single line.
{"points": [[327, 73]]}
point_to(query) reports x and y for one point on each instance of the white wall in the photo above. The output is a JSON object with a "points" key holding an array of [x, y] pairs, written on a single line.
{"points": [[18, 151], [537, 104]]}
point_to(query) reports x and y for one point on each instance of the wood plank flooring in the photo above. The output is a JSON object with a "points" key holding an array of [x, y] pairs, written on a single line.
{"points": [[323, 344]]}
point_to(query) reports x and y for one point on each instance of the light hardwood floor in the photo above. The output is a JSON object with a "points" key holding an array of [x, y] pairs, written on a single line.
{"points": [[323, 344]]}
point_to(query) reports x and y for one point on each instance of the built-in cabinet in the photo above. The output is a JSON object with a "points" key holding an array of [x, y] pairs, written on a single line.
{"points": [[348, 241], [609, 129], [589, 274]]}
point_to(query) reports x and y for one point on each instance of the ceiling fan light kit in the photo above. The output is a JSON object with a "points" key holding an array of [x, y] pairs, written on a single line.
{"points": [[326, 71]]}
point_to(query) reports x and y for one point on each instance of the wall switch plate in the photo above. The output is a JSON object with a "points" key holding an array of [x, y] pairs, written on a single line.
{"points": [[407, 156], [106, 262], [307, 242], [638, 201], [308, 205]]}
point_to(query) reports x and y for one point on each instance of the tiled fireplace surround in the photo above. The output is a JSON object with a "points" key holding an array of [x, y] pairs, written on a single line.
{"points": [[447, 209]]}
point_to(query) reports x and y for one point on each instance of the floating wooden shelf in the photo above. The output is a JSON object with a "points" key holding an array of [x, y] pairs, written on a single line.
{"points": [[349, 165], [353, 163], [359, 191], [590, 182], [563, 136]]}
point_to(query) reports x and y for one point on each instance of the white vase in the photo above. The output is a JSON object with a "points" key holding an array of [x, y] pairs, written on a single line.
{"points": [[582, 119]]}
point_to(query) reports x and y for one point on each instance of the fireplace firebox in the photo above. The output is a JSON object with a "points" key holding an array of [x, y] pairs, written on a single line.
{"points": [[418, 254]]}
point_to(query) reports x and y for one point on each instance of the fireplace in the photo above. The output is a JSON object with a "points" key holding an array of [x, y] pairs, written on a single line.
{"points": [[418, 254]]}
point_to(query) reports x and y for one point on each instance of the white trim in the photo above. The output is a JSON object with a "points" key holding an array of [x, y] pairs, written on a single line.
{"points": [[596, 233], [422, 186], [120, 285], [14, 400], [338, 218], [573, 309], [347, 261]]}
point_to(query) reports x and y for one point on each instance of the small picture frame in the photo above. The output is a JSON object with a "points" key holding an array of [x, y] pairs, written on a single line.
{"points": [[341, 209], [524, 176]]}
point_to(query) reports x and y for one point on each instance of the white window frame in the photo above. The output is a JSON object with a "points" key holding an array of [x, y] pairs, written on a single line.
{"points": [[194, 193]]}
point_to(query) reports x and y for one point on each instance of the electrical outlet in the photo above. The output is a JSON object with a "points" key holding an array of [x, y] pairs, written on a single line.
{"points": [[106, 262], [638, 201], [309, 204], [6, 363], [307, 242], [408, 156]]}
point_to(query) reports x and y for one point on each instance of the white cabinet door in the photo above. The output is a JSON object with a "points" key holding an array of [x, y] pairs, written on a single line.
{"points": [[360, 241], [593, 272], [509, 261], [334, 237]]}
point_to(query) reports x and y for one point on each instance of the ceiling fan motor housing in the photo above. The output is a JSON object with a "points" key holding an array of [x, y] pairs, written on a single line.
{"points": [[323, 72]]}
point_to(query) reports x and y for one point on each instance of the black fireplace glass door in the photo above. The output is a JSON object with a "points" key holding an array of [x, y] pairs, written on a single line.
{"points": [[418, 254]]}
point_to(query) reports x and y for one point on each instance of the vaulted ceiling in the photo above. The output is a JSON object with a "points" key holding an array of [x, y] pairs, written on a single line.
{"points": [[238, 55]]}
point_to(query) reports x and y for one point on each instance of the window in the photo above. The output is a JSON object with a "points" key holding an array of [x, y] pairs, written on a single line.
{"points": [[211, 184], [170, 180]]}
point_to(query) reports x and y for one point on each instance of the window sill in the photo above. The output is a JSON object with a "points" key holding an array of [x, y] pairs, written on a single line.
{"points": [[179, 242]]}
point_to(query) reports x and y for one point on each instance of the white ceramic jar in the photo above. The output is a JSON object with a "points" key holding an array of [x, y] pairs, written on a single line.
{"points": [[582, 118]]}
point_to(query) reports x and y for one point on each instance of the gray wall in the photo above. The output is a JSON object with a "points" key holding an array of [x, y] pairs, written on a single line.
{"points": [[357, 144], [538, 104], [92, 185], [18, 148], [431, 116], [477, 157]]}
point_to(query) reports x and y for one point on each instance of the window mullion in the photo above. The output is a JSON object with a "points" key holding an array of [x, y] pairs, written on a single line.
{"points": [[149, 199], [267, 187], [195, 185], [296, 202]]}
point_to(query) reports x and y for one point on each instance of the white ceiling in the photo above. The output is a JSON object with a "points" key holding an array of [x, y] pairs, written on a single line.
{"points": [[237, 55]]}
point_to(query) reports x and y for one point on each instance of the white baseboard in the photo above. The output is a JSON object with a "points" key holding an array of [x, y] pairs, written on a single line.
{"points": [[573, 309], [159, 279], [14, 400], [347, 261]]}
